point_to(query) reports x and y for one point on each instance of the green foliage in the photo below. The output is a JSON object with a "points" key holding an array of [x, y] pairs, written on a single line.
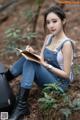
{"points": [[29, 15], [66, 112], [54, 88], [76, 70], [46, 102], [14, 36], [55, 99], [13, 33], [38, 2], [71, 107], [75, 104], [29, 36]]}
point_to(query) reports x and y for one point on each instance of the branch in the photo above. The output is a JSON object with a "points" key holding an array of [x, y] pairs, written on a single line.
{"points": [[3, 7]]}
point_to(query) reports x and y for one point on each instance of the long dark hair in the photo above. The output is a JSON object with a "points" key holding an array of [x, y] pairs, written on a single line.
{"points": [[57, 10]]}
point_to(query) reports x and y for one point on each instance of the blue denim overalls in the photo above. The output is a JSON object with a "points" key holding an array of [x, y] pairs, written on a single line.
{"points": [[32, 71]]}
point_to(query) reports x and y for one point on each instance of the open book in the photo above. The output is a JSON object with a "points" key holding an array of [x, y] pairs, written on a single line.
{"points": [[29, 55]]}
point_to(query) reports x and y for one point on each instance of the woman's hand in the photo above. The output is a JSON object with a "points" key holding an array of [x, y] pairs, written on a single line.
{"points": [[30, 49], [44, 63]]}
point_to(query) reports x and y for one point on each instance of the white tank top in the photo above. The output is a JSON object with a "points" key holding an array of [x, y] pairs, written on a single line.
{"points": [[60, 58]]}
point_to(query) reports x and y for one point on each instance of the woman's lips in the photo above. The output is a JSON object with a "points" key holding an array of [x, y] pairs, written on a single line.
{"points": [[53, 30]]}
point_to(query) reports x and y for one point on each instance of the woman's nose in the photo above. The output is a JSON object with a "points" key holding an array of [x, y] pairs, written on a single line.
{"points": [[51, 25]]}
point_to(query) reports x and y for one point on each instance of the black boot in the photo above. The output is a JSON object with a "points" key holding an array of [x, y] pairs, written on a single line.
{"points": [[9, 75], [21, 106]]}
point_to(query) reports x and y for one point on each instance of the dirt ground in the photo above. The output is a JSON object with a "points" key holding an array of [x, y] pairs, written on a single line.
{"points": [[15, 16]]}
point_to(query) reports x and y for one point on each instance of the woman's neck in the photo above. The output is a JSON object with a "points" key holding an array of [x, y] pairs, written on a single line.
{"points": [[59, 37]]}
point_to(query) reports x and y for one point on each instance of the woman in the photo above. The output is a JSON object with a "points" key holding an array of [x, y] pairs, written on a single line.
{"points": [[56, 66]]}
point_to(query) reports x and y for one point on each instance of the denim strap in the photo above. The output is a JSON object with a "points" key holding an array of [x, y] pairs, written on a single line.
{"points": [[61, 46], [49, 40]]}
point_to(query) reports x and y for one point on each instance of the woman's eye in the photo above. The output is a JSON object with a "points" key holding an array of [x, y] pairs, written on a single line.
{"points": [[54, 21], [47, 22]]}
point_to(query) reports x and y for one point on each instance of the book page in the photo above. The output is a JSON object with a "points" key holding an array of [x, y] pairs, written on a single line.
{"points": [[30, 56]]}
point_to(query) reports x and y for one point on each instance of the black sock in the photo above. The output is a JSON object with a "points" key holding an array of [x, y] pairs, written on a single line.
{"points": [[9, 75]]}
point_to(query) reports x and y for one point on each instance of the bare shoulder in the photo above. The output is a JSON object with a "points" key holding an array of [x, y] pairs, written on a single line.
{"points": [[70, 43]]}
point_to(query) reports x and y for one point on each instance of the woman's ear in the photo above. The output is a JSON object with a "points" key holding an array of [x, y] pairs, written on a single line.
{"points": [[64, 21]]}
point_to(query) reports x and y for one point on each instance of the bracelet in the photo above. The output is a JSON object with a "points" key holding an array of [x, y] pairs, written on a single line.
{"points": [[49, 66]]}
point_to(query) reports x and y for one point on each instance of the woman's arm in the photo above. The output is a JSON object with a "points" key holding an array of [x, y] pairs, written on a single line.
{"points": [[67, 54]]}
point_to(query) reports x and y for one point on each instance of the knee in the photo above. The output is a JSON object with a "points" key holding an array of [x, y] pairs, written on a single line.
{"points": [[31, 65], [29, 62]]}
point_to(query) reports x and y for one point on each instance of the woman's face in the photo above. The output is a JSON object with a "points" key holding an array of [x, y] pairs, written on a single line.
{"points": [[54, 24]]}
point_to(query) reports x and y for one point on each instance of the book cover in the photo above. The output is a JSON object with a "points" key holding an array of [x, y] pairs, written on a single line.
{"points": [[29, 55]]}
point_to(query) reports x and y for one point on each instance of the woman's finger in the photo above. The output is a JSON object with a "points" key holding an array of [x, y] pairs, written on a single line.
{"points": [[27, 46]]}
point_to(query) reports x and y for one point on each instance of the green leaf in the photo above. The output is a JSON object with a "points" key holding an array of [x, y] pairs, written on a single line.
{"points": [[9, 35], [76, 104], [53, 87], [18, 31], [46, 96], [38, 2], [46, 103], [76, 69], [8, 31], [66, 112], [28, 15]]}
